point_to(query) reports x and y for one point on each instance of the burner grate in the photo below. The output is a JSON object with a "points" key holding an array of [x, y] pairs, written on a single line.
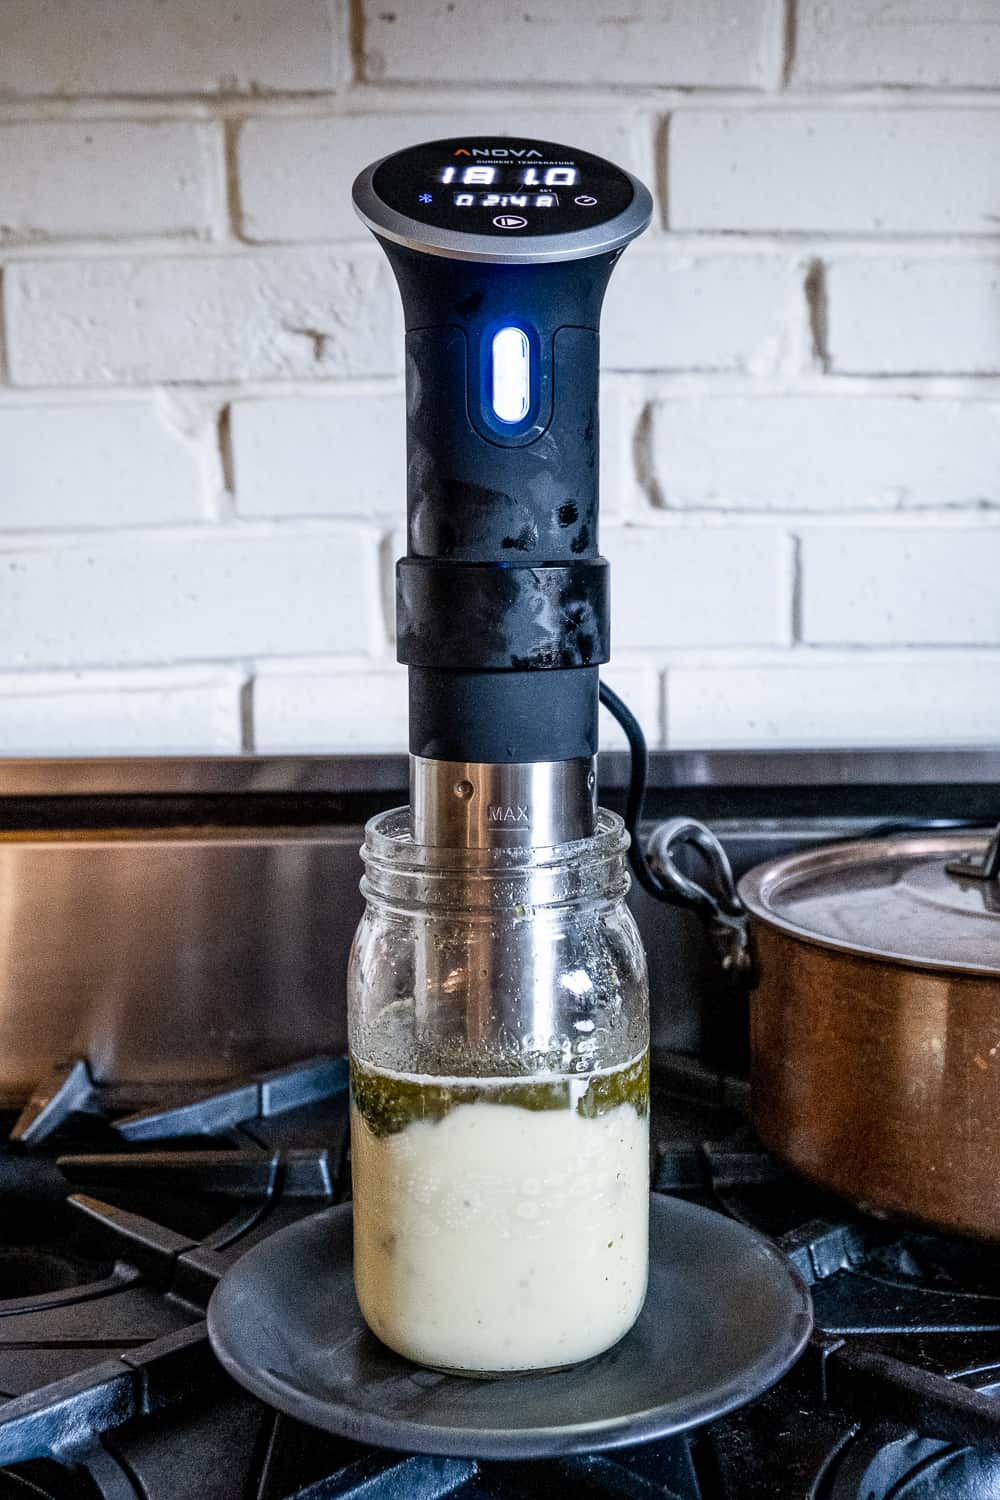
{"points": [[72, 1090], [914, 1468], [45, 1481]]}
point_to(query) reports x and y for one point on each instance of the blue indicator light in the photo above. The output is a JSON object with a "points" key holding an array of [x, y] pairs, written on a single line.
{"points": [[425, 198], [511, 392]]}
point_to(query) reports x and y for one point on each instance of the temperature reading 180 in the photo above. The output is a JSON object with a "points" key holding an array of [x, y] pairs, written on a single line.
{"points": [[529, 177]]}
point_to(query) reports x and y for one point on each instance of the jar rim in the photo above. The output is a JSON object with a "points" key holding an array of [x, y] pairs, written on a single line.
{"points": [[389, 845]]}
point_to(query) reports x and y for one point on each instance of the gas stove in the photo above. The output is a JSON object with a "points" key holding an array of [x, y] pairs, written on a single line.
{"points": [[119, 1224], [125, 1201]]}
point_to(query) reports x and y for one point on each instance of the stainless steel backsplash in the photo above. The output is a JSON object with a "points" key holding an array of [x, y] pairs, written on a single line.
{"points": [[163, 957], [169, 954]]}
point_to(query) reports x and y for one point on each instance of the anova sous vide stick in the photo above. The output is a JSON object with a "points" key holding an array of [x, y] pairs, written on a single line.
{"points": [[498, 997]]}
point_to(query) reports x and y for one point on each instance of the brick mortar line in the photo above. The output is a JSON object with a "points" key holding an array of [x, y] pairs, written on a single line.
{"points": [[190, 670], [973, 518], [245, 709], [223, 503], [373, 528], [662, 658], [670, 385], [4, 345], [380, 614], [233, 187], [665, 245], [796, 588], [639, 385], [663, 705], [647, 388], [185, 676], [117, 538], [443, 97], [231, 664], [653, 658], [212, 394], [788, 591], [356, 39], [159, 248], [789, 39], [228, 674], [385, 665], [660, 180], [399, 97], [971, 515]]}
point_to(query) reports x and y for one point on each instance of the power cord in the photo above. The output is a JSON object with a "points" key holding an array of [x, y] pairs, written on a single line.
{"points": [[720, 910], [636, 795]]}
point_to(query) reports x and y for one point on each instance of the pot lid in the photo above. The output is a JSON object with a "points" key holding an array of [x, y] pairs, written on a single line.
{"points": [[929, 901]]}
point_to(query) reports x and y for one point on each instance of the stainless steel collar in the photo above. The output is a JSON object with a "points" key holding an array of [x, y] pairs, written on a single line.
{"points": [[473, 805]]}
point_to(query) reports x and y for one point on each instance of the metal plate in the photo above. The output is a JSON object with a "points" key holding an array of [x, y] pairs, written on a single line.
{"points": [[890, 899], [725, 1317]]}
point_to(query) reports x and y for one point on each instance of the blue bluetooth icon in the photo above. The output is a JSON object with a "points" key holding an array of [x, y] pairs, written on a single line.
{"points": [[426, 198]]}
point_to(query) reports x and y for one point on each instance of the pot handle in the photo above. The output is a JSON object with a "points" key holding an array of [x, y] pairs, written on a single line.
{"points": [[723, 915], [988, 868]]}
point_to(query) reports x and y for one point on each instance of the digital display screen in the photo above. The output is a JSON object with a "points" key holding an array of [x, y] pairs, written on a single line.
{"points": [[500, 187]]}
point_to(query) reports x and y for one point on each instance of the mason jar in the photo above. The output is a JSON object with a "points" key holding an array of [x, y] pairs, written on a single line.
{"points": [[499, 1034]]}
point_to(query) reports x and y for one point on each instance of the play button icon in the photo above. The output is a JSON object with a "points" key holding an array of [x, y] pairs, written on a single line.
{"points": [[509, 221]]}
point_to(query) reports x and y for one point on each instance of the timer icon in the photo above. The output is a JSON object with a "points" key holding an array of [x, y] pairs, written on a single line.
{"points": [[585, 200]]}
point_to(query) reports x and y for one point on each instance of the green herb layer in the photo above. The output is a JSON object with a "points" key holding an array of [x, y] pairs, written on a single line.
{"points": [[389, 1104]]}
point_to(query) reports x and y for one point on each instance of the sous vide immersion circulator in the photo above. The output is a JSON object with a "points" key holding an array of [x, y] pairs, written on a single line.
{"points": [[498, 997]]}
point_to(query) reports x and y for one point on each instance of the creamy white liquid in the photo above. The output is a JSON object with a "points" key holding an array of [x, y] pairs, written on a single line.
{"points": [[501, 1238]]}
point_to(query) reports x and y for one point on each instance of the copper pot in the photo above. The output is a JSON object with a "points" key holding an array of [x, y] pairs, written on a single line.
{"points": [[875, 1013]]}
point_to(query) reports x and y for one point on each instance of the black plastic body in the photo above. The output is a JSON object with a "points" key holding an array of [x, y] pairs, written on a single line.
{"points": [[502, 599]]}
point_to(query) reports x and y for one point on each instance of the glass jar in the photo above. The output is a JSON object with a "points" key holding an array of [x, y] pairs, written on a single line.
{"points": [[499, 1032]]}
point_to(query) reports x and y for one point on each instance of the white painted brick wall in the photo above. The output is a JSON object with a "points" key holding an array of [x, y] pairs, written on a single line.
{"points": [[681, 42], [854, 43], [868, 698], [319, 455], [133, 321], [174, 712], [158, 47], [709, 311], [915, 316], [911, 171], [103, 178], [307, 709], [688, 586], [201, 424], [122, 463], [824, 452], [187, 598], [901, 587]]}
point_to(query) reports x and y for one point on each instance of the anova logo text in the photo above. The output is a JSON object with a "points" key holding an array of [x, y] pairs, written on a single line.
{"points": [[518, 152]]}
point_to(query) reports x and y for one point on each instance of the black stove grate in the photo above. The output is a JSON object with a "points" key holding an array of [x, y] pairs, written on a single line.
{"points": [[252, 1104], [112, 1390]]}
